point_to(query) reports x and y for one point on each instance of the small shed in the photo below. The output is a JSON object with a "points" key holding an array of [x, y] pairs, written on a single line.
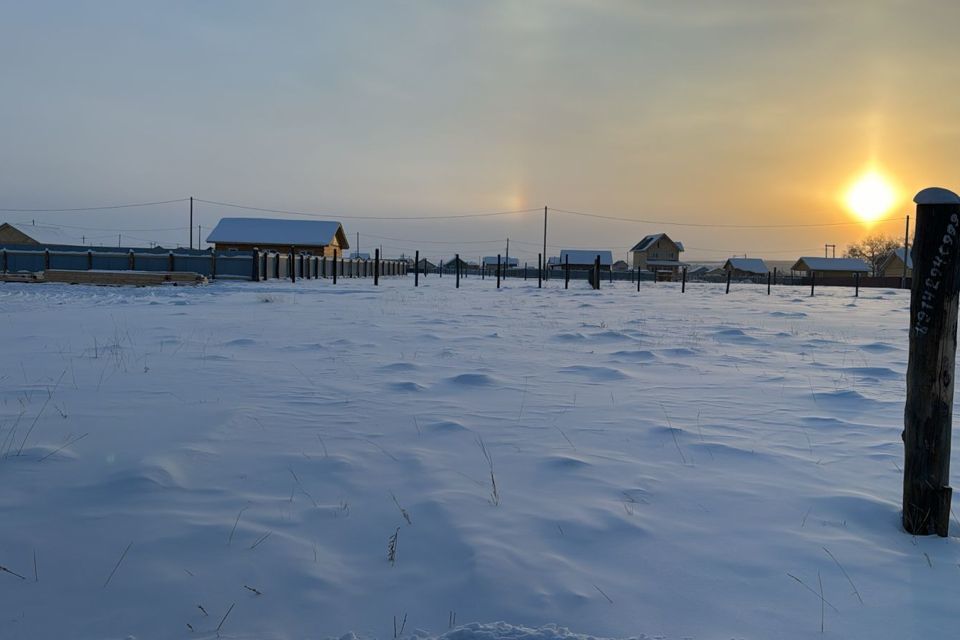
{"points": [[317, 237], [833, 267], [892, 265], [745, 267], [585, 258]]}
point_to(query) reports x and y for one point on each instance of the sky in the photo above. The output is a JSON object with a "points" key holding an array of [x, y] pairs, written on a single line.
{"points": [[663, 113]]}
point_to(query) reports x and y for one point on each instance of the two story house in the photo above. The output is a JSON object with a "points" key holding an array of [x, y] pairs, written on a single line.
{"points": [[659, 254]]}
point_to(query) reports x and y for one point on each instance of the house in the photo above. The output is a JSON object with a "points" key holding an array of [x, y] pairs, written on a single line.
{"points": [[745, 267], [658, 253], [832, 267], [34, 235], [424, 266], [892, 265], [585, 258], [452, 264], [491, 261], [315, 237], [356, 255], [621, 265]]}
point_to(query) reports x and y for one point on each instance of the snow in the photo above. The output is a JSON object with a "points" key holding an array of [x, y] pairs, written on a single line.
{"points": [[680, 466], [272, 231]]}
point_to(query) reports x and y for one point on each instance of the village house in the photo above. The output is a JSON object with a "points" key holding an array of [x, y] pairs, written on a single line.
{"points": [[505, 262], [314, 237], [658, 253], [745, 267], [34, 235], [581, 259], [892, 265], [831, 267]]}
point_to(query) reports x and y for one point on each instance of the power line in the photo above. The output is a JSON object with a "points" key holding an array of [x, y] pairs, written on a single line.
{"points": [[318, 215], [101, 208], [717, 226]]}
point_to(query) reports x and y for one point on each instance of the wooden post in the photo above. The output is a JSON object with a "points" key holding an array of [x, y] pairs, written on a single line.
{"points": [[292, 265], [813, 282], [683, 281], [768, 283], [457, 263], [170, 262], [376, 267], [498, 271], [856, 285], [729, 274], [416, 269], [213, 264], [611, 273], [774, 275], [46, 259], [906, 254], [335, 269], [928, 413], [539, 271], [89, 260], [596, 272], [638, 279], [256, 265], [524, 271], [3, 259], [566, 269]]}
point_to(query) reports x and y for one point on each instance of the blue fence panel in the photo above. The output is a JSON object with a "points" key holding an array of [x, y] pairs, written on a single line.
{"points": [[234, 265], [24, 261], [151, 262], [72, 261]]}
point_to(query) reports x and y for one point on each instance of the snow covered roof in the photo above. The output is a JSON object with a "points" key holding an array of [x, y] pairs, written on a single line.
{"points": [[357, 255], [586, 256], [42, 234], [492, 260], [899, 254], [747, 265], [644, 244], [808, 263], [274, 231]]}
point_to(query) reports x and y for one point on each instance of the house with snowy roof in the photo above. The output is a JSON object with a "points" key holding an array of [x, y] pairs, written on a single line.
{"points": [[892, 265], [832, 267], [585, 258], [491, 261], [657, 252], [35, 235], [315, 237], [745, 267]]}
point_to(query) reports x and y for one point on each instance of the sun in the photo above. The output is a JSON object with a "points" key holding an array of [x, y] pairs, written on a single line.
{"points": [[871, 196]]}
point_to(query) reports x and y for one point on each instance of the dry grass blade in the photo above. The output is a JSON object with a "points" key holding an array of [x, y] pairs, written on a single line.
{"points": [[3, 569], [224, 618], [845, 575], [392, 547], [64, 446], [805, 586], [117, 566], [235, 523], [261, 539]]}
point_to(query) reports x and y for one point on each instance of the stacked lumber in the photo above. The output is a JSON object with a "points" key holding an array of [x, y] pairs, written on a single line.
{"points": [[115, 278]]}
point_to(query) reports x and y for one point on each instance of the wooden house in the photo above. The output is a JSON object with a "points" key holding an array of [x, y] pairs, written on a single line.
{"points": [[832, 267], [745, 267], [892, 265], [34, 235], [315, 237], [585, 259], [658, 253]]}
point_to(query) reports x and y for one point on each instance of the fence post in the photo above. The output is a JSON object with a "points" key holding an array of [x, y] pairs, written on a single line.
{"points": [[566, 269], [498, 271], [293, 265], [683, 281], [768, 283], [335, 269], [170, 262], [638, 279], [774, 275], [856, 285], [213, 263], [611, 273], [3, 253], [376, 267], [596, 272], [524, 271], [278, 265], [255, 274], [416, 269], [729, 274], [46, 259], [928, 413], [813, 281], [539, 271], [89, 260]]}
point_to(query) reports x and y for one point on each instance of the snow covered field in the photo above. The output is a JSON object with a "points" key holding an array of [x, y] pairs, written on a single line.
{"points": [[689, 466]]}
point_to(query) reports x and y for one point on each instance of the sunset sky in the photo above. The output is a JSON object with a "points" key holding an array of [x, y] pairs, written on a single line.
{"points": [[735, 112]]}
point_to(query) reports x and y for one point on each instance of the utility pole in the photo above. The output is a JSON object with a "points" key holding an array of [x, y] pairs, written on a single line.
{"points": [[191, 223], [906, 254], [544, 264]]}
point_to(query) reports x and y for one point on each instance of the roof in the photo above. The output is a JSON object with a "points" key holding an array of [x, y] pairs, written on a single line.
{"points": [[356, 255], [43, 234], [898, 253], [275, 231], [586, 256], [830, 264], [747, 265], [644, 244], [492, 260]]}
